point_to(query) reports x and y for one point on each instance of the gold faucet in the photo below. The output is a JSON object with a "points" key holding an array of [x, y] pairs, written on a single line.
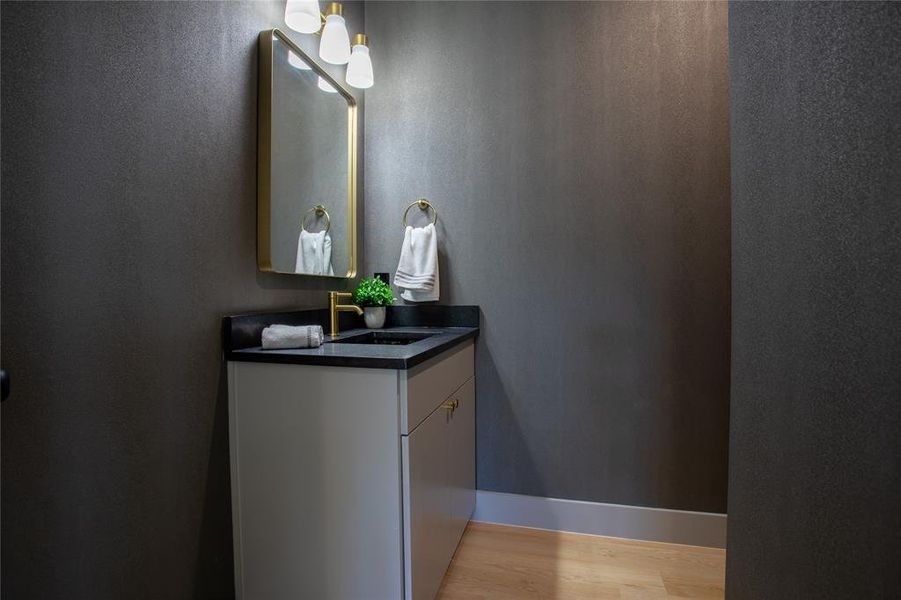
{"points": [[334, 308]]}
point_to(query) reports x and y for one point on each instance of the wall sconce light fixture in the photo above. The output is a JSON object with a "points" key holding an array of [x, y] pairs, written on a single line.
{"points": [[325, 86], [297, 62], [303, 15], [334, 47], [359, 69]]}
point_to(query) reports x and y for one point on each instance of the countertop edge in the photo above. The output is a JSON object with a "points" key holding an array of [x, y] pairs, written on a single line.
{"points": [[366, 362]]}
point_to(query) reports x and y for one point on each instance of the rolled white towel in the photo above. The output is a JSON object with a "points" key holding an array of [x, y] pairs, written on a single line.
{"points": [[279, 337]]}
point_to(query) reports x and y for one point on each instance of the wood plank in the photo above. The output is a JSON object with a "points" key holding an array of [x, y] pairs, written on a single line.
{"points": [[503, 562]]}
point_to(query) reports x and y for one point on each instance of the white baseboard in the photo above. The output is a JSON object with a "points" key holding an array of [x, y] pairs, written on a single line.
{"points": [[597, 518]]}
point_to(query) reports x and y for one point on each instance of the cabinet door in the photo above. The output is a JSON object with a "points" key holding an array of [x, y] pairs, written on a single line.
{"points": [[316, 482], [427, 519], [461, 461], [439, 491]]}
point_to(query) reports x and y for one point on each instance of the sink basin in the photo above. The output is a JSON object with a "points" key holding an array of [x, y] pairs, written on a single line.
{"points": [[387, 338]]}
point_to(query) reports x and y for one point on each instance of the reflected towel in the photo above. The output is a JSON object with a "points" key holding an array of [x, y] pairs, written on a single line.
{"points": [[417, 269], [314, 253], [277, 337]]}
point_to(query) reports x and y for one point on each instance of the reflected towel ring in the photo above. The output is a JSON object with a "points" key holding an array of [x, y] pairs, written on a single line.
{"points": [[423, 205], [319, 211]]}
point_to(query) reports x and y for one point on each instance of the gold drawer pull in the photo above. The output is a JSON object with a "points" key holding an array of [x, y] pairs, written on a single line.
{"points": [[451, 404]]}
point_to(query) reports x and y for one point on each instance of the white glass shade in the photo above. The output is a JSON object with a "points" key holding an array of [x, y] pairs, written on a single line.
{"points": [[297, 62], [325, 86], [359, 69], [334, 47], [303, 15]]}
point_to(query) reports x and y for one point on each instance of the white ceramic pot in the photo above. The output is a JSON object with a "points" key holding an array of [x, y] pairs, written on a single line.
{"points": [[374, 316]]}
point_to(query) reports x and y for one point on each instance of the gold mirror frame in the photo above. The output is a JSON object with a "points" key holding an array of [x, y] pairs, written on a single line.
{"points": [[264, 157]]}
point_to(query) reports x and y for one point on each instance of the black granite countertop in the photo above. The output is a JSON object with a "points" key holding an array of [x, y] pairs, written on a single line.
{"points": [[448, 326], [370, 356]]}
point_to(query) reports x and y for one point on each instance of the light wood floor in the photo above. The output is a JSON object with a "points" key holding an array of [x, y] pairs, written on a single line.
{"points": [[501, 562]]}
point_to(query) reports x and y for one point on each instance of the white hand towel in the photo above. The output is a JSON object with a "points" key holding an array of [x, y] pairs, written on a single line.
{"points": [[276, 337], [417, 270], [314, 253]]}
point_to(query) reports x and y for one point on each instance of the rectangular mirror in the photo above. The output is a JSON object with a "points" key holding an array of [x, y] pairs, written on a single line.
{"points": [[307, 165]]}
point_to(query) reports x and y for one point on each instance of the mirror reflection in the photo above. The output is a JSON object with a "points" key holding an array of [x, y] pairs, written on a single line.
{"points": [[311, 172]]}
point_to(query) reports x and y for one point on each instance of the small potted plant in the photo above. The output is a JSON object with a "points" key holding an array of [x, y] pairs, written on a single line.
{"points": [[373, 295]]}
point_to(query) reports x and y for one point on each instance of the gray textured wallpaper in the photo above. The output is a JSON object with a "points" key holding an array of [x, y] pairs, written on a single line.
{"points": [[578, 154], [815, 455], [129, 229]]}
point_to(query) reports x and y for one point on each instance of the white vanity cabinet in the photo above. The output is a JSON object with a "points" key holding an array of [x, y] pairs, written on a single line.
{"points": [[350, 482]]}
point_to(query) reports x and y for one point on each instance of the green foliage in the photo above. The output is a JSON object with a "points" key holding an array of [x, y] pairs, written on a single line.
{"points": [[373, 292]]}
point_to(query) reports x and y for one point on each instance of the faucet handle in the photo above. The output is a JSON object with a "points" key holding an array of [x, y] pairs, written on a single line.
{"points": [[335, 297]]}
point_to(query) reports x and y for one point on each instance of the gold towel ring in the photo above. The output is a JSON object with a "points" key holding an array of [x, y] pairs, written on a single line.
{"points": [[319, 210], [423, 205]]}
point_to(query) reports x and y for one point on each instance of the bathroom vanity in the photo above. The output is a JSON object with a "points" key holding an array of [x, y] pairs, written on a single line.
{"points": [[353, 464]]}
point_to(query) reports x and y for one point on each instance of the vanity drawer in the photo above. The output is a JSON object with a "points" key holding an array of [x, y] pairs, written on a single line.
{"points": [[429, 384]]}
